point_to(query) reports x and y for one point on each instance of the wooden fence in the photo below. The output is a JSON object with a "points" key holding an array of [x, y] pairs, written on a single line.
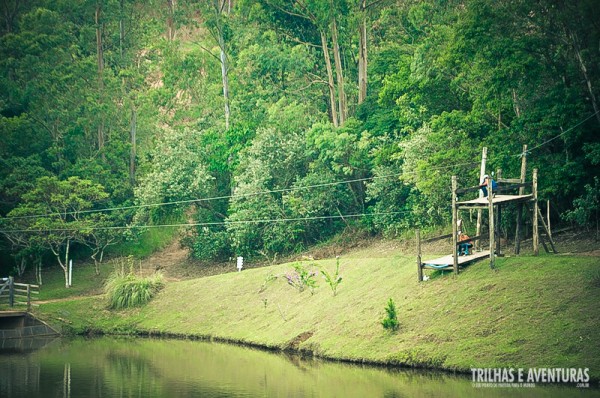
{"points": [[17, 293]]}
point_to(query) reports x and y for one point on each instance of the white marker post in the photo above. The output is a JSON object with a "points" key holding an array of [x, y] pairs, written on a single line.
{"points": [[70, 272], [240, 263]]}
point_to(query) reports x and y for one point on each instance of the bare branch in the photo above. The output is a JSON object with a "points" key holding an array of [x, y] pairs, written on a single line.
{"points": [[208, 51], [288, 12], [295, 39]]}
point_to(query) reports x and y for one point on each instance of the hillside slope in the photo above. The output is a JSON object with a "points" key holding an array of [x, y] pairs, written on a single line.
{"points": [[530, 312]]}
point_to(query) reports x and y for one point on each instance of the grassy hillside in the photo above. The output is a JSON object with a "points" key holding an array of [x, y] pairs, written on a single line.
{"points": [[530, 312]]}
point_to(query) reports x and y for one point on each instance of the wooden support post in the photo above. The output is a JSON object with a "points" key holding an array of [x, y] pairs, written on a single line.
{"points": [[498, 218], [479, 211], [523, 169], [544, 244], [548, 218], [536, 244], [419, 265], [28, 297], [454, 226], [518, 231], [11, 291], [520, 205], [491, 222], [550, 240]]}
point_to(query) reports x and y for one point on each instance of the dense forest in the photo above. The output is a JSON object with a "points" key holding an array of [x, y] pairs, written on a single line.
{"points": [[266, 126]]}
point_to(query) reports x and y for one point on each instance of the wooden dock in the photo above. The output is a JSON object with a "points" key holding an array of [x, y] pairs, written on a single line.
{"points": [[446, 262]]}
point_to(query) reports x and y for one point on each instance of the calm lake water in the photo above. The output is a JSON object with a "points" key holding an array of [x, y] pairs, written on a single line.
{"points": [[139, 367]]}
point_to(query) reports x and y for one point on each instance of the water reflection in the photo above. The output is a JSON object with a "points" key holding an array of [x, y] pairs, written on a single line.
{"points": [[126, 367], [24, 345]]}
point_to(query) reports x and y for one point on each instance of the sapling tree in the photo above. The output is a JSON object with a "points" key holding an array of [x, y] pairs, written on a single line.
{"points": [[390, 321], [333, 280]]}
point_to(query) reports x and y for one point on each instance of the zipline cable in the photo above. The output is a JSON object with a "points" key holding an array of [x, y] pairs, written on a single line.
{"points": [[564, 132], [207, 224], [282, 190], [233, 196]]}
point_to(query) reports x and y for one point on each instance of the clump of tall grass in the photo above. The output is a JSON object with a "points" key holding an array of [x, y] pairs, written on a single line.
{"points": [[128, 291]]}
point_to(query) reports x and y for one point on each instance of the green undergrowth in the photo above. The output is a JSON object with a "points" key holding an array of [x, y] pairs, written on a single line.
{"points": [[148, 241], [529, 312]]}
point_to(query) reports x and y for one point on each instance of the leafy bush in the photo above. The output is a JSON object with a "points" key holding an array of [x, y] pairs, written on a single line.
{"points": [[390, 322], [585, 208], [128, 291], [301, 278], [268, 279], [209, 245]]}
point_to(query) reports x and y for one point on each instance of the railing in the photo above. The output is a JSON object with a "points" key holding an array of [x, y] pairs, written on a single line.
{"points": [[17, 293]]}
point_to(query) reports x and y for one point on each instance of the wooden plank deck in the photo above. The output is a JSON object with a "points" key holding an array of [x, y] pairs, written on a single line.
{"points": [[498, 199], [448, 261]]}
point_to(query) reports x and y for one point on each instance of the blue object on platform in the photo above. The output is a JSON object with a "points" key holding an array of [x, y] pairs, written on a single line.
{"points": [[437, 266], [463, 248]]}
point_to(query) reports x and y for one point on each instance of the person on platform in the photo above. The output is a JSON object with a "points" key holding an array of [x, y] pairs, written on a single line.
{"points": [[464, 241], [484, 185], [464, 244]]}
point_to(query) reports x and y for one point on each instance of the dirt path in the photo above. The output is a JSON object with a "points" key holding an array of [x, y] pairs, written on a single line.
{"points": [[70, 298], [171, 256]]}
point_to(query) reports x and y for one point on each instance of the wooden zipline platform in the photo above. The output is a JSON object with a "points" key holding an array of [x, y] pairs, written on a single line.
{"points": [[505, 191], [447, 262], [483, 203]]}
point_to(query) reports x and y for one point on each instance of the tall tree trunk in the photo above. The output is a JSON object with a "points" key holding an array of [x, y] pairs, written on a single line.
{"points": [[66, 267], [224, 78], [21, 266], [100, 55], [343, 108], [585, 75], [171, 13], [11, 13], [38, 271], [121, 28], [334, 116], [516, 106], [132, 153], [362, 55], [223, 7]]}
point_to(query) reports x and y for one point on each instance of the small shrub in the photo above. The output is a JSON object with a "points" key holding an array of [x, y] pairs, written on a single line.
{"points": [[586, 208], [268, 279], [301, 278], [128, 291], [390, 321], [333, 280]]}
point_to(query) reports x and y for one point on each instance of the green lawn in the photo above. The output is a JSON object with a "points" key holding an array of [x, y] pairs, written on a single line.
{"points": [[530, 312]]}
